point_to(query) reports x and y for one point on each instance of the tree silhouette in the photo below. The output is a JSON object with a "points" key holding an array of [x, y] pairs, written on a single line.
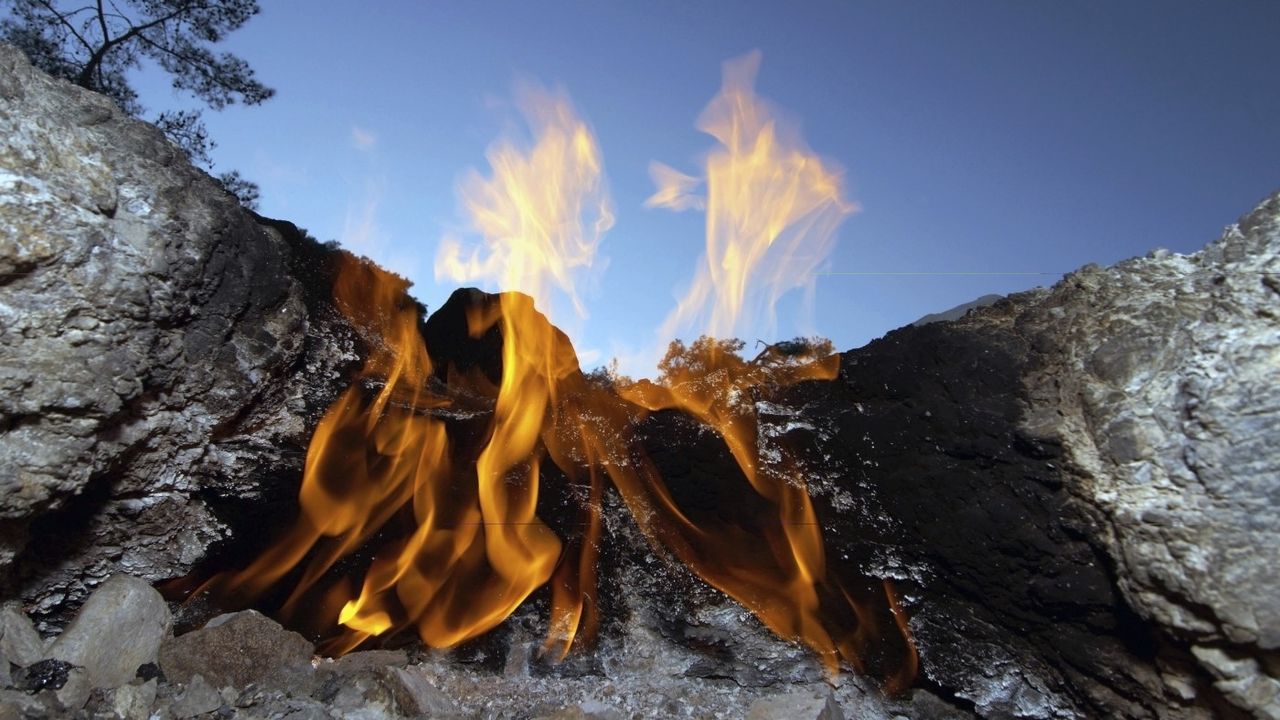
{"points": [[95, 43]]}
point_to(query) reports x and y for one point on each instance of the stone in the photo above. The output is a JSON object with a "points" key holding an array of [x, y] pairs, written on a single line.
{"points": [[796, 706], [118, 629], [134, 701], [238, 649], [43, 675], [163, 351], [415, 694], [18, 705], [197, 698], [365, 694], [368, 660], [19, 641], [75, 691], [583, 711], [1241, 681]]}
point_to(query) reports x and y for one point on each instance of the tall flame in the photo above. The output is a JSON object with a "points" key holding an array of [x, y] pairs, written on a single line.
{"points": [[772, 209], [437, 461], [543, 211], [541, 215]]}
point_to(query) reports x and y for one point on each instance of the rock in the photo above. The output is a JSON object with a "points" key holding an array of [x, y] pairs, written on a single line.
{"points": [[43, 675], [134, 701], [796, 706], [118, 629], [197, 698], [365, 694], [19, 641], [958, 311], [583, 711], [1242, 682], [1073, 487], [75, 691], [238, 649], [415, 694], [18, 705], [368, 660], [164, 353]]}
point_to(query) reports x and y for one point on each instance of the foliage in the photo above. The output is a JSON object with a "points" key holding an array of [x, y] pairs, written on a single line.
{"points": [[707, 355], [96, 44], [609, 376]]}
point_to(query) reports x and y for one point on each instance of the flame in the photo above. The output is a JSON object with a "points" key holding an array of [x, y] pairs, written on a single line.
{"points": [[543, 211], [772, 209], [436, 461]]}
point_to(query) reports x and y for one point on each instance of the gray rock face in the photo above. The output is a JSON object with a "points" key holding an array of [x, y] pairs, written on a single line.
{"points": [[1161, 375], [119, 628], [156, 343], [1077, 487]]}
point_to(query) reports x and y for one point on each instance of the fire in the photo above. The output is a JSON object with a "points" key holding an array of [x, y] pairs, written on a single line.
{"points": [[772, 209], [436, 457]]}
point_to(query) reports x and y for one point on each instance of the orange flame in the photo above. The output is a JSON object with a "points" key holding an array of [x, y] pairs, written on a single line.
{"points": [[399, 464]]}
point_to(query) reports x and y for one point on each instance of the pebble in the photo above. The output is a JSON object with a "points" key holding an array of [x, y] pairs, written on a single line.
{"points": [[198, 698]]}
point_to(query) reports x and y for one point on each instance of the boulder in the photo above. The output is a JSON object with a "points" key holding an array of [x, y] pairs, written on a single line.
{"points": [[163, 351], [118, 629]]}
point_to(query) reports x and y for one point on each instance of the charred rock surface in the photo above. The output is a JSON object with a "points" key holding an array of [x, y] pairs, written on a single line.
{"points": [[162, 351], [1075, 488]]}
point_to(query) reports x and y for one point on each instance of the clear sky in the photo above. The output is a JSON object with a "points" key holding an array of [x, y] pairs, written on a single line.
{"points": [[988, 137]]}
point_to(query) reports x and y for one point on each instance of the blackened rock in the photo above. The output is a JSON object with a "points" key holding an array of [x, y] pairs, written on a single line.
{"points": [[43, 675]]}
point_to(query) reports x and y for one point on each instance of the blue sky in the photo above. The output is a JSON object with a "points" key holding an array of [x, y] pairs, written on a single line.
{"points": [[977, 137]]}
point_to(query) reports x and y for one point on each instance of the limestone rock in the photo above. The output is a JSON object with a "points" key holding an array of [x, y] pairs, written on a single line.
{"points": [[416, 695], [1160, 377], [75, 691], [197, 698], [20, 644], [163, 352], [119, 628], [134, 702]]}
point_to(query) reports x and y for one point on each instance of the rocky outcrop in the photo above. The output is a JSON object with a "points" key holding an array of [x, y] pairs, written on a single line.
{"points": [[160, 348], [1161, 377], [1076, 487]]}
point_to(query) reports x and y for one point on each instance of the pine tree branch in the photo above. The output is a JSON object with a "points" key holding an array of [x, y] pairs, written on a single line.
{"points": [[63, 19]]}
